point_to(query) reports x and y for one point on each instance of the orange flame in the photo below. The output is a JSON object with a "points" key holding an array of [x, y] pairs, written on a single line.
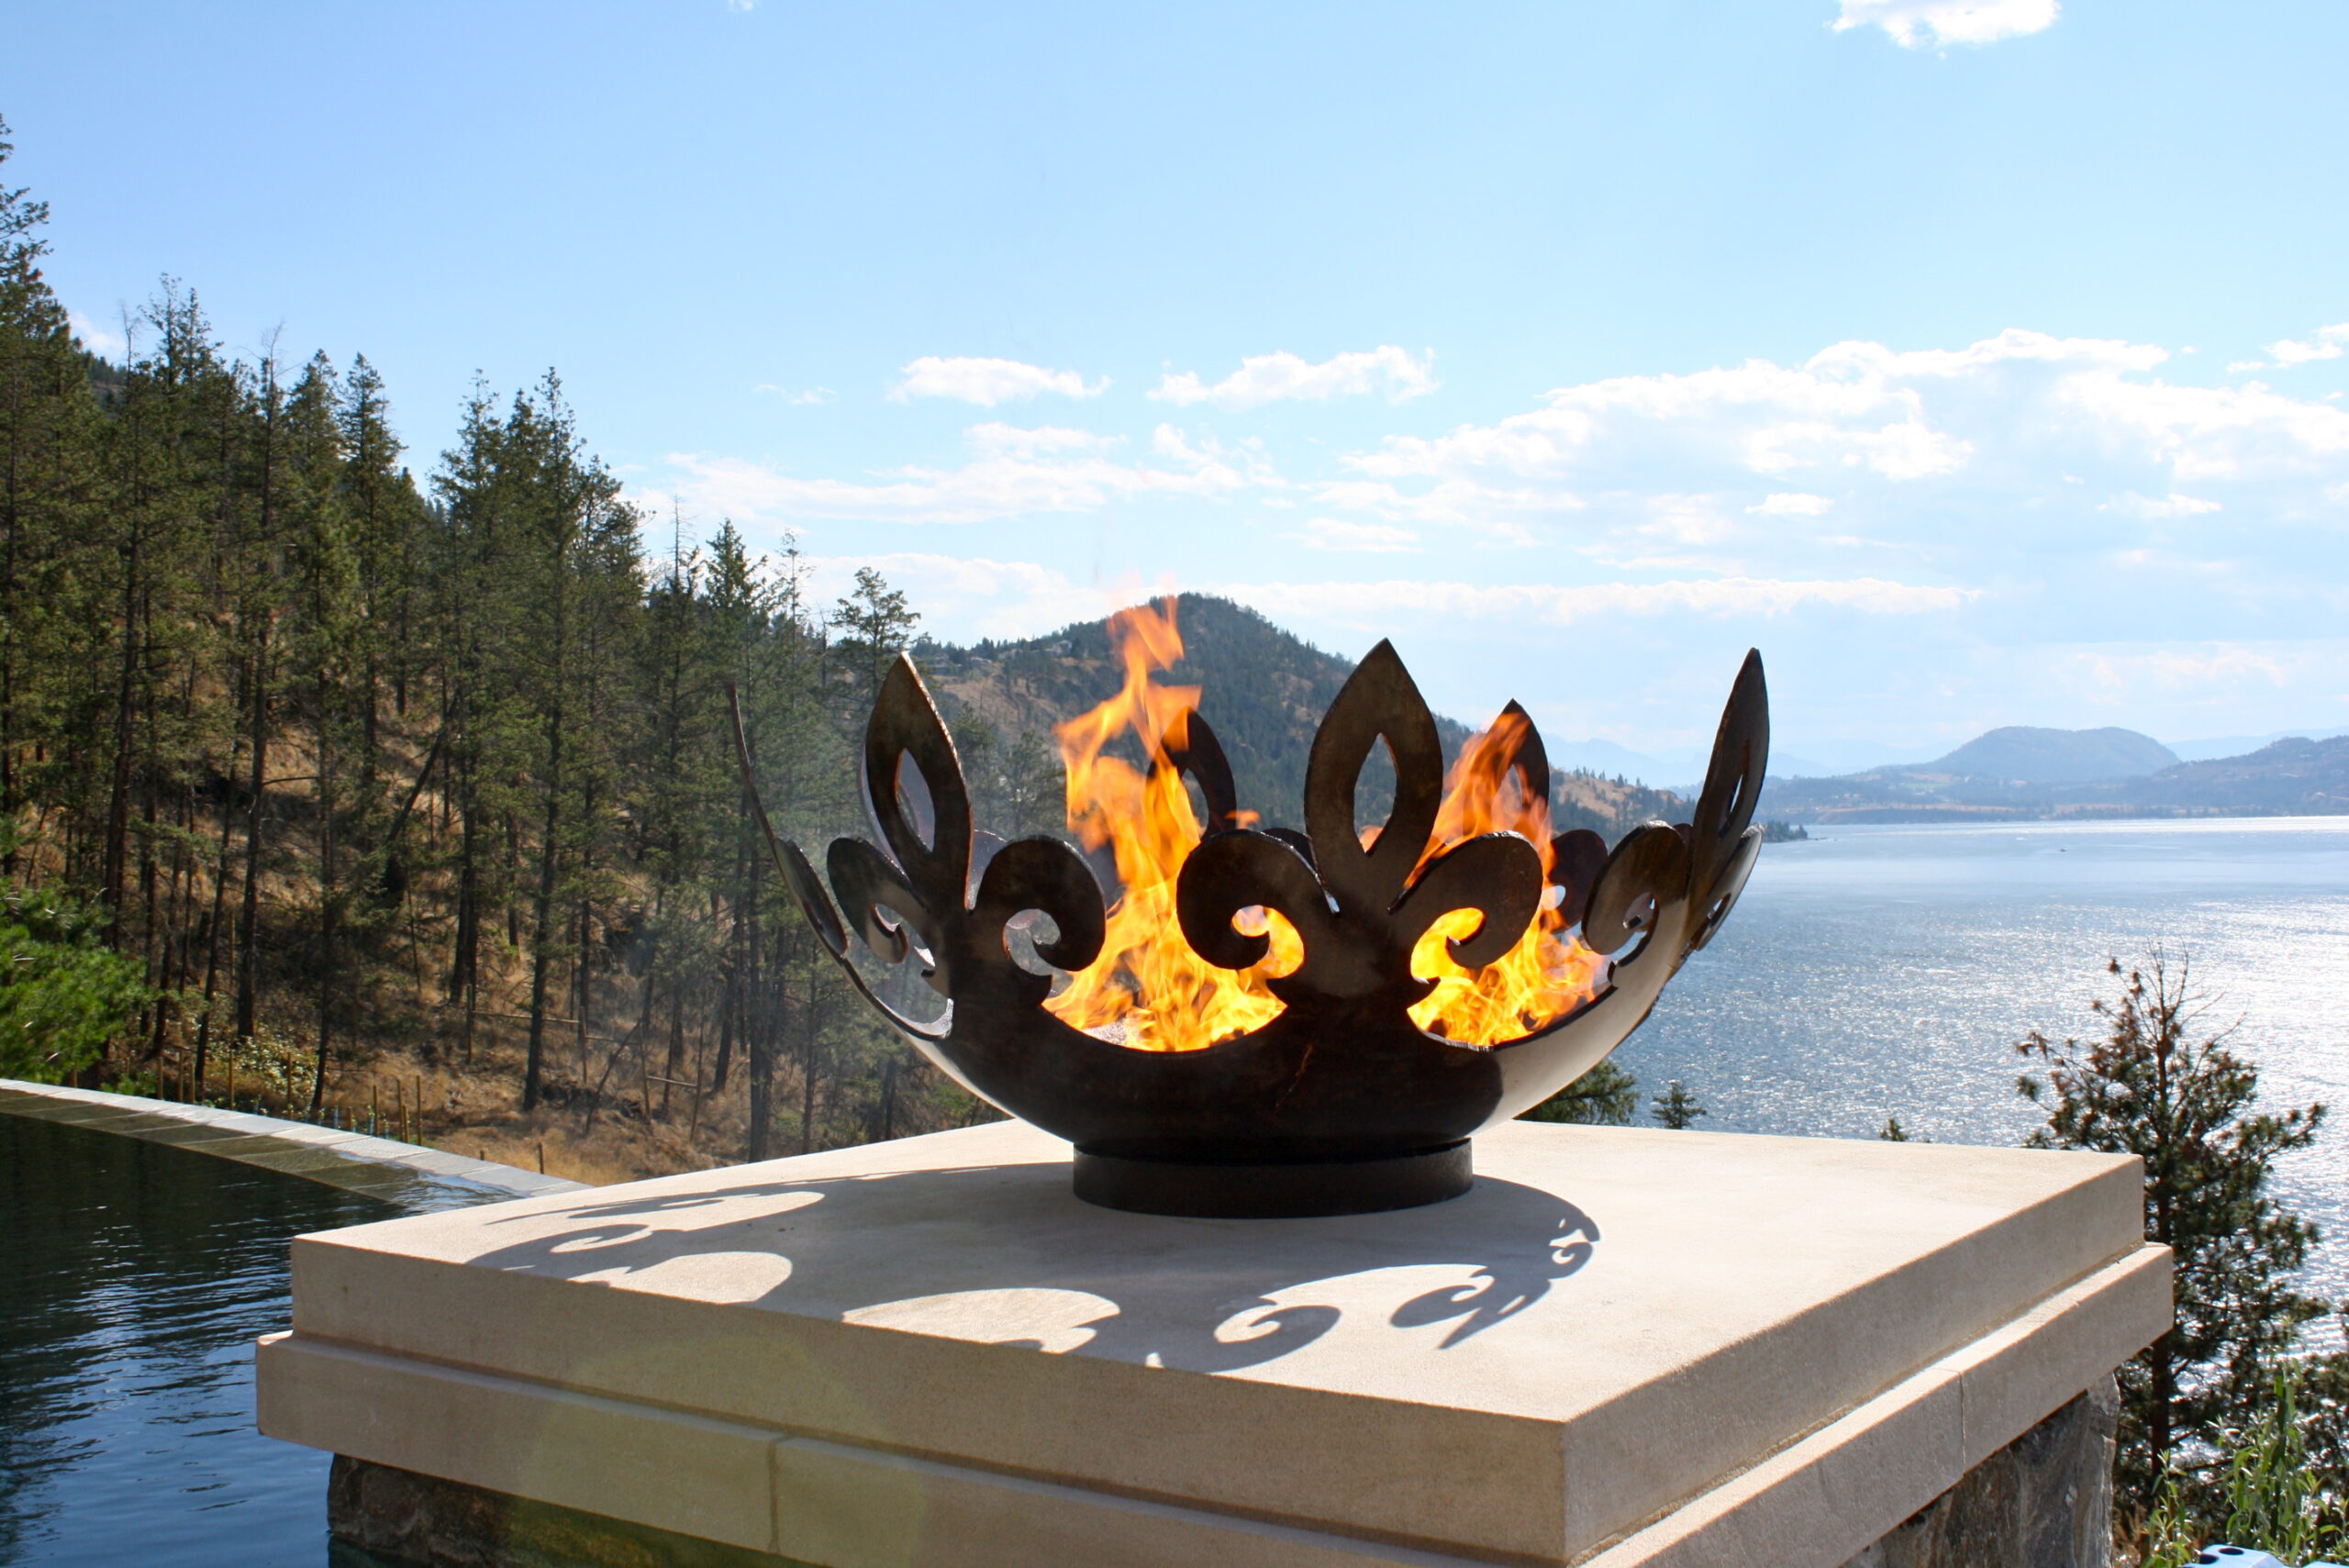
{"points": [[1147, 989], [1150, 991], [1549, 973]]}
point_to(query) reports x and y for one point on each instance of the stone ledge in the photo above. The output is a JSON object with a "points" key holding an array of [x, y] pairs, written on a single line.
{"points": [[1657, 1348], [409, 1173]]}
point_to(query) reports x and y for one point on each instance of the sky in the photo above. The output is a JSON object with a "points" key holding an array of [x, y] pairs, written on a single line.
{"points": [[1981, 362]]}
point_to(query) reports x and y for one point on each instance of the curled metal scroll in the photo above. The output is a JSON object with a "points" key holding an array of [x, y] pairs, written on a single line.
{"points": [[1342, 1073]]}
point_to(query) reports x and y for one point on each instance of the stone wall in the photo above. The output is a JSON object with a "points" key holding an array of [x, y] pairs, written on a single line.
{"points": [[2043, 1501], [383, 1518]]}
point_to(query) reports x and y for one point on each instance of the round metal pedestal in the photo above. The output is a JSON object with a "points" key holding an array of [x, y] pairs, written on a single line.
{"points": [[1273, 1192]]}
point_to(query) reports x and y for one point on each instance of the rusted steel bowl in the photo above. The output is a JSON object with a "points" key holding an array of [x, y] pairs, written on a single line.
{"points": [[1341, 1104]]}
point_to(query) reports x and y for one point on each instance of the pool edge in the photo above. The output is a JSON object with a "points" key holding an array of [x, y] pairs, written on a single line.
{"points": [[348, 1157]]}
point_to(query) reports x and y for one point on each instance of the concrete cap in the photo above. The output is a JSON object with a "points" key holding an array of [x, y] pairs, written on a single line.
{"points": [[1612, 1321]]}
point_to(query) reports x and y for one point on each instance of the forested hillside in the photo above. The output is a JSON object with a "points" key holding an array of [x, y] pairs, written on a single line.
{"points": [[378, 785], [376, 778]]}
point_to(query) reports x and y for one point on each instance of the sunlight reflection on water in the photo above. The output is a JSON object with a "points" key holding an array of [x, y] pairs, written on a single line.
{"points": [[1879, 971]]}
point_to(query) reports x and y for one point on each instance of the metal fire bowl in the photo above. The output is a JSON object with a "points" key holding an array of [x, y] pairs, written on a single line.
{"points": [[1341, 1104]]}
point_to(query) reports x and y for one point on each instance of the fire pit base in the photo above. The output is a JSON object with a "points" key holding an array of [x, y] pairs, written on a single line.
{"points": [[1621, 1348], [1303, 1191]]}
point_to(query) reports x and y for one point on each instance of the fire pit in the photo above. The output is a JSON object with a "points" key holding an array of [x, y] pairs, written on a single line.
{"points": [[1263, 1021]]}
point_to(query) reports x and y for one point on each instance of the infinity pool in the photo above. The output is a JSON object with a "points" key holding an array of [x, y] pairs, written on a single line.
{"points": [[133, 1279]]}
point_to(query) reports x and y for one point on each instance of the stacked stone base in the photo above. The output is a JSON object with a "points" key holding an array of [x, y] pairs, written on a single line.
{"points": [[383, 1518], [2043, 1501]]}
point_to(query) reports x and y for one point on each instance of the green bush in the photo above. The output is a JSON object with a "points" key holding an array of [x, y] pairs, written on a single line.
{"points": [[2269, 1497], [63, 994]]}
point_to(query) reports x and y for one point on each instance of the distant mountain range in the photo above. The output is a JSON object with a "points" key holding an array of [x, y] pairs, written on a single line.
{"points": [[1265, 689], [2018, 773], [2017, 755], [2218, 746]]}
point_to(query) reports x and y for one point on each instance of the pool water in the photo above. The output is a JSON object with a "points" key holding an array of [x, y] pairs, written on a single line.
{"points": [[134, 1277]]}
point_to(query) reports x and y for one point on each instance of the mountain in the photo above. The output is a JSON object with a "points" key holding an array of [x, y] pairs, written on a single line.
{"points": [[2214, 747], [1263, 690], [2025, 755], [2291, 777]]}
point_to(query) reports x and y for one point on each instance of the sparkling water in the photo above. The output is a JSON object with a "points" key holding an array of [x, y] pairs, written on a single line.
{"points": [[1888, 971]]}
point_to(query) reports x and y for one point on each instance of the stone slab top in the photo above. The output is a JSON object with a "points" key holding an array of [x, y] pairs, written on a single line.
{"points": [[1609, 1321]]}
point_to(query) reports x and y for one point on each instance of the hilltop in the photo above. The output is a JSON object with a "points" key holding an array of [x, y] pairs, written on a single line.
{"points": [[1263, 689], [2291, 777], [2026, 755]]}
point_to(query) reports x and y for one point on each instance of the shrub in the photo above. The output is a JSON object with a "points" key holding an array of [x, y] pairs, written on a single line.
{"points": [[64, 993]]}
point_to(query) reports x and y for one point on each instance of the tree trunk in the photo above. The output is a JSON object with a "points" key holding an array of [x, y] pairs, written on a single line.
{"points": [[543, 936], [212, 925], [125, 709], [248, 919]]}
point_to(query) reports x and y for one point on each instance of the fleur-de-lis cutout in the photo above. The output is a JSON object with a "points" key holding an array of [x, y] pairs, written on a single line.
{"points": [[1358, 908]]}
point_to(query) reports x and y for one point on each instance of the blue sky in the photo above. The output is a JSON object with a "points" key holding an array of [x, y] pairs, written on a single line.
{"points": [[1981, 360]]}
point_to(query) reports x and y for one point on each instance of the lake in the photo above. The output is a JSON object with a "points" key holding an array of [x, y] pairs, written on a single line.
{"points": [[1888, 971]]}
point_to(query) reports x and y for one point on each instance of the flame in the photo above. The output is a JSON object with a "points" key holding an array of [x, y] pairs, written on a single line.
{"points": [[1147, 989], [1549, 973], [1150, 991]]}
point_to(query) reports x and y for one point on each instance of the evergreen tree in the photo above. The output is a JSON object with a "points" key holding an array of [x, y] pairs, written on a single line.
{"points": [[1606, 1095], [1677, 1108], [2185, 1105], [1034, 790], [875, 624]]}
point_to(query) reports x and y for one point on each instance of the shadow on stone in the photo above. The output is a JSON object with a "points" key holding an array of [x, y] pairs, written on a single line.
{"points": [[1227, 1307]]}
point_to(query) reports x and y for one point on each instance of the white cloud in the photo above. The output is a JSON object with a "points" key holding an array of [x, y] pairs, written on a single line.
{"points": [[988, 382], [1685, 519], [1272, 378], [96, 338], [2184, 670], [998, 439], [1560, 604], [805, 394], [1850, 405], [2151, 508], [1915, 24], [2202, 432], [2022, 499], [1371, 539], [2005, 417], [1500, 510], [1012, 473], [1791, 504], [2324, 343]]}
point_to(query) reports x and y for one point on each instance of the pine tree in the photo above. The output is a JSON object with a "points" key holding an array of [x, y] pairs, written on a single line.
{"points": [[1606, 1095], [2185, 1106], [1034, 791], [876, 625], [1677, 1108]]}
